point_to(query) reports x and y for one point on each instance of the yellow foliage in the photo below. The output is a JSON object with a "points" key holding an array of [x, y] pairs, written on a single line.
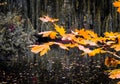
{"points": [[59, 29], [114, 74], [116, 47], [96, 51], [43, 49]]}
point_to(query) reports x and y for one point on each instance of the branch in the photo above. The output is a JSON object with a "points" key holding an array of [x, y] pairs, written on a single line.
{"points": [[113, 54]]}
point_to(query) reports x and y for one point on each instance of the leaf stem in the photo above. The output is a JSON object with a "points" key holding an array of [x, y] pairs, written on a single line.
{"points": [[113, 54]]}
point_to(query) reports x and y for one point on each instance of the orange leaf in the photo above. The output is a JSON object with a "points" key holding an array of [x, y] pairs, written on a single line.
{"points": [[37, 48], [96, 51], [86, 50], [47, 19], [116, 47], [116, 4], [52, 34], [109, 61], [118, 10], [60, 30], [83, 33], [44, 51]]}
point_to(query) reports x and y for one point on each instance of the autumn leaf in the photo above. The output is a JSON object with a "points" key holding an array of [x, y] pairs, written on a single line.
{"points": [[92, 34], [53, 35], [44, 51], [71, 45], [116, 4], [68, 37], [114, 74], [82, 32], [61, 45], [111, 62], [43, 48], [50, 34], [47, 19], [36, 48], [111, 34], [59, 29], [96, 51], [86, 42], [86, 50], [116, 47]]}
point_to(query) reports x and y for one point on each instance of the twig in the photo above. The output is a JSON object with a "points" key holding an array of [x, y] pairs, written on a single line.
{"points": [[113, 54]]}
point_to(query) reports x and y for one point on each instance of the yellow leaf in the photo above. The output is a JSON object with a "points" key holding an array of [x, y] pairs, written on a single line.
{"points": [[92, 34], [114, 74], [61, 45], [37, 48], [118, 10], [111, 34], [44, 51], [60, 30], [71, 45], [96, 51], [116, 47]]}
